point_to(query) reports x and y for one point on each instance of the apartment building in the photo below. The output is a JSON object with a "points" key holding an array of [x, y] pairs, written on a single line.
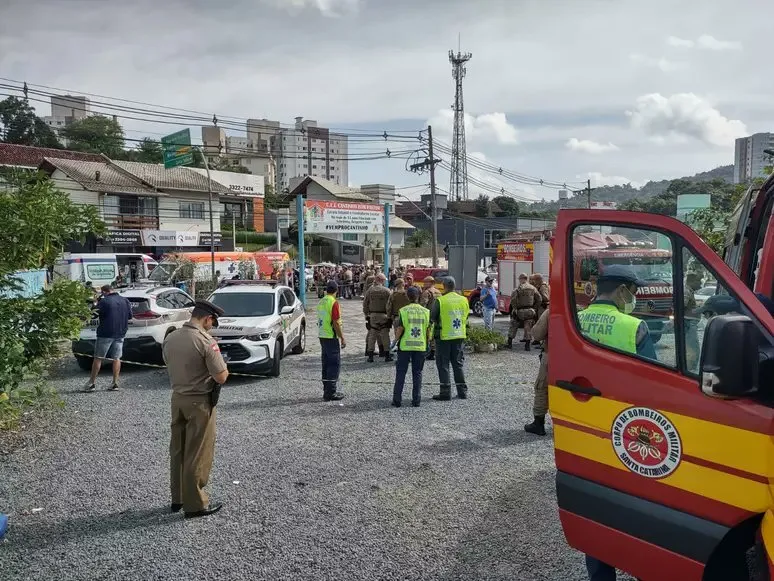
{"points": [[64, 110], [749, 157], [283, 153]]}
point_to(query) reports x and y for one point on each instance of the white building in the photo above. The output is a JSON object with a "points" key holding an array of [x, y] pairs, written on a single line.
{"points": [[64, 110], [749, 158], [297, 152], [146, 207]]}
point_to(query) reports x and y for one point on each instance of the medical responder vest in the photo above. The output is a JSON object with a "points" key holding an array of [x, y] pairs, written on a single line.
{"points": [[606, 324], [415, 320], [324, 317], [453, 315]]}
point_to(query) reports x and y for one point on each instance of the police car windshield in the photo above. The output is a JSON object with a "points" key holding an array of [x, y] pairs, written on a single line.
{"points": [[245, 304], [645, 267]]}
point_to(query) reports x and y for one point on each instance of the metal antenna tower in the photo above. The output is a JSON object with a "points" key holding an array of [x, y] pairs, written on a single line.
{"points": [[458, 188]]}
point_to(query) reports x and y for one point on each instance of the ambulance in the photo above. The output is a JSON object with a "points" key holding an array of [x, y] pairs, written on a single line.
{"points": [[665, 465]]}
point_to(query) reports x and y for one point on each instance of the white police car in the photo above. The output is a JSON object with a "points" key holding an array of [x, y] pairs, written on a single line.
{"points": [[263, 321]]}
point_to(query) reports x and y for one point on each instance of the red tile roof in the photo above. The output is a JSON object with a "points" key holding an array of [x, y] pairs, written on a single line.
{"points": [[31, 157]]}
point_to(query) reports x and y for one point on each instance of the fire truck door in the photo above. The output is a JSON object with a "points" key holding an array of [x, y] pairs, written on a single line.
{"points": [[650, 473]]}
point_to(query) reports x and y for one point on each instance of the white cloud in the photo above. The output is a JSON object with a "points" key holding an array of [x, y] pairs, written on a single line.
{"points": [[331, 8], [488, 127], [662, 63], [705, 42], [711, 43], [684, 115], [680, 42], [599, 179], [589, 146]]}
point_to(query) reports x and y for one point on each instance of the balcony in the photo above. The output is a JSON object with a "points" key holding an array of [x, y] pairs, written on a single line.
{"points": [[131, 222]]}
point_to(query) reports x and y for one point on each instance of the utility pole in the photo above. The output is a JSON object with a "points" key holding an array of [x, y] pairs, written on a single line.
{"points": [[433, 213], [430, 163], [588, 192]]}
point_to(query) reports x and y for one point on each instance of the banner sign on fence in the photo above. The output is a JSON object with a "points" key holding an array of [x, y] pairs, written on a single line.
{"points": [[322, 216], [518, 251]]}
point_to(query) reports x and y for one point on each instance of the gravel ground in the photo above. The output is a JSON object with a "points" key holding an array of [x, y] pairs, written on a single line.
{"points": [[311, 490]]}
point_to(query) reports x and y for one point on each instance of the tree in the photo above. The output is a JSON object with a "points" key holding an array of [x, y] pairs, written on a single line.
{"points": [[96, 134], [509, 206], [419, 238], [38, 221], [149, 151], [710, 224], [271, 200], [482, 206], [20, 125]]}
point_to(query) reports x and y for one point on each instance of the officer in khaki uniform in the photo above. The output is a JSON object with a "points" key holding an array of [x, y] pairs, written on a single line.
{"points": [[429, 295], [377, 321], [540, 403], [195, 368], [398, 300], [525, 301]]}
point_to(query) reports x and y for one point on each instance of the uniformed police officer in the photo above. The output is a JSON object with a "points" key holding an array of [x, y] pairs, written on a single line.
{"points": [[449, 315], [195, 368], [377, 321], [429, 296], [608, 321], [412, 335], [540, 401], [525, 301]]}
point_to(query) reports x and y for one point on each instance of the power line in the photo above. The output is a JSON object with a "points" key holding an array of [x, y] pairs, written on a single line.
{"points": [[201, 116]]}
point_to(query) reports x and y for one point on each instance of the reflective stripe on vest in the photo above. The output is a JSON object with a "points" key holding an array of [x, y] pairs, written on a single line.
{"points": [[325, 318], [454, 316], [607, 325], [415, 320]]}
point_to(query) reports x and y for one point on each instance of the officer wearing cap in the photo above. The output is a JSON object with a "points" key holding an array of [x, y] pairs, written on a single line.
{"points": [[332, 340], [429, 295], [608, 319], [195, 368]]}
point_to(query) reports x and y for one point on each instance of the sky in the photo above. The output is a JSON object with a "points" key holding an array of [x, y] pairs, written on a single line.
{"points": [[616, 91]]}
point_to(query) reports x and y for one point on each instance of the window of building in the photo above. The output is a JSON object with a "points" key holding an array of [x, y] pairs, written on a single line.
{"points": [[350, 237], [314, 167], [192, 210], [314, 149]]}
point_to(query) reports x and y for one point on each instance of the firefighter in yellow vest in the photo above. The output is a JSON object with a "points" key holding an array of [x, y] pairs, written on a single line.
{"points": [[412, 335], [608, 321], [449, 316]]}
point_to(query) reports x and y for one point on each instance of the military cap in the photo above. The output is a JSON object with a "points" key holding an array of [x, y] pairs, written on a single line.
{"points": [[429, 279], [209, 309], [331, 286], [618, 272]]}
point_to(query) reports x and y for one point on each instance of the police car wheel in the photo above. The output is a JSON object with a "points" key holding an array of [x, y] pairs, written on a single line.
{"points": [[301, 345], [275, 368]]}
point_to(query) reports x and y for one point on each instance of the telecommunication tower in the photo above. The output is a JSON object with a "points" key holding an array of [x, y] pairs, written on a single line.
{"points": [[458, 188]]}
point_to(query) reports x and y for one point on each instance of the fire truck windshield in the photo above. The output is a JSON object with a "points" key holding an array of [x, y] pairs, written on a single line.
{"points": [[650, 268]]}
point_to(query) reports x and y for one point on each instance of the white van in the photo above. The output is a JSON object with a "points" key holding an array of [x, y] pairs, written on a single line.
{"points": [[98, 269], [103, 268]]}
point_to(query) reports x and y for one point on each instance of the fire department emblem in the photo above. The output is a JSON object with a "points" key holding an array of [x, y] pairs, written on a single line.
{"points": [[646, 442]]}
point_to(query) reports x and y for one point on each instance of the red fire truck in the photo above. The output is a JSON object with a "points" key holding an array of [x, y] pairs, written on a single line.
{"points": [[664, 461], [523, 252]]}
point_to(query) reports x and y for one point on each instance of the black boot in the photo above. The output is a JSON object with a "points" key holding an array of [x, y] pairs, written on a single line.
{"points": [[444, 393], [388, 358], [509, 345], [527, 345], [538, 427], [430, 356], [370, 358]]}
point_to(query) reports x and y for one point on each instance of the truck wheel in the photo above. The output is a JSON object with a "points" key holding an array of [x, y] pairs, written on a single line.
{"points": [[275, 368], [84, 362], [477, 308], [301, 345]]}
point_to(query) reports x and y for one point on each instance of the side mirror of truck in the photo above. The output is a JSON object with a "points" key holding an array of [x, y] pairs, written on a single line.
{"points": [[729, 357]]}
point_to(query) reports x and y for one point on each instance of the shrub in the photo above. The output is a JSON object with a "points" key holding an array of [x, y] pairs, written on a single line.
{"points": [[478, 335]]}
